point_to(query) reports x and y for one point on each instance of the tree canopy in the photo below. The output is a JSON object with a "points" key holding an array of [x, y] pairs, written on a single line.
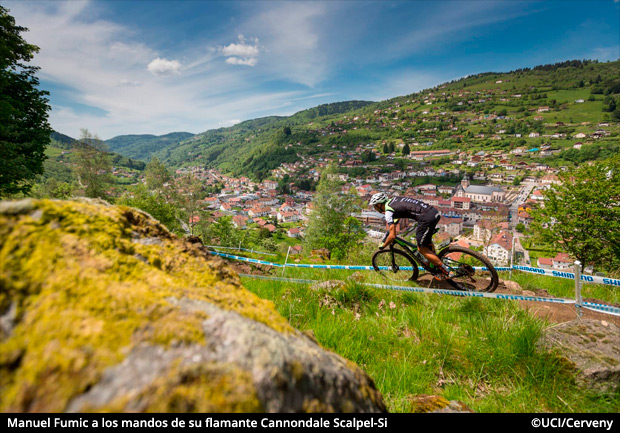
{"points": [[24, 129], [582, 215]]}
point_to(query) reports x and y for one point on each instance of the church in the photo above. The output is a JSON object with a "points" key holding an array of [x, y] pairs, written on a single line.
{"points": [[480, 193]]}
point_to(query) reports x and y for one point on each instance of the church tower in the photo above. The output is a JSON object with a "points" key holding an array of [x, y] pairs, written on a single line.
{"points": [[465, 181]]}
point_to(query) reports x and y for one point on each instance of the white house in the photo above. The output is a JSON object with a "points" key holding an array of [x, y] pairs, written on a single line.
{"points": [[499, 248], [453, 226]]}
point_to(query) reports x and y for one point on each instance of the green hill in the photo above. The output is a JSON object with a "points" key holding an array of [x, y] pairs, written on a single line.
{"points": [[489, 111], [143, 146]]}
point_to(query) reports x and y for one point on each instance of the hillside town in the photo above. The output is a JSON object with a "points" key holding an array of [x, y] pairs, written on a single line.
{"points": [[474, 215]]}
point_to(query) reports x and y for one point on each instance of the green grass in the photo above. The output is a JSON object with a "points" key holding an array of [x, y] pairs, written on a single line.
{"points": [[479, 351]]}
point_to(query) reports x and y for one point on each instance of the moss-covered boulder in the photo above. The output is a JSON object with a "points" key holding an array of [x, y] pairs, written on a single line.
{"points": [[592, 347], [102, 309]]}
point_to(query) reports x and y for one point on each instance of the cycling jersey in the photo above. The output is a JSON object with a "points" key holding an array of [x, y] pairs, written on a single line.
{"points": [[405, 207], [425, 214]]}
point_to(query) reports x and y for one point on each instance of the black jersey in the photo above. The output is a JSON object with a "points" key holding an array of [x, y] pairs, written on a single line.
{"points": [[405, 207]]}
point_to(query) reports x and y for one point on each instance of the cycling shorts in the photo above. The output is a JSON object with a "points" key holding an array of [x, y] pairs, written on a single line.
{"points": [[427, 222]]}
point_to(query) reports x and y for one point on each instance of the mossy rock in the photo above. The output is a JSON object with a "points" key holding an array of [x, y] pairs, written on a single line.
{"points": [[103, 309], [591, 348]]}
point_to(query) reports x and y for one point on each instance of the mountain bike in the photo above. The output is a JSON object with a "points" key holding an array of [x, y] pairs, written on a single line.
{"points": [[473, 271]]}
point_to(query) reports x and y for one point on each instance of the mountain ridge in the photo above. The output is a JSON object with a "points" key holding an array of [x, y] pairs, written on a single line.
{"points": [[440, 116]]}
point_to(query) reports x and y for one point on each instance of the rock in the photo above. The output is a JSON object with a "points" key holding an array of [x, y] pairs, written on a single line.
{"points": [[321, 253], [437, 404], [592, 347], [357, 277], [328, 286], [512, 286], [103, 309]]}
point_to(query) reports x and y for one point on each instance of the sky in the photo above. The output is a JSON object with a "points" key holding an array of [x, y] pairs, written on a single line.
{"points": [[154, 67]]}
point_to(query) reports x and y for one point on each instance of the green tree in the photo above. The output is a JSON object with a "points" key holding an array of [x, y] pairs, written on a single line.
{"points": [[609, 104], [582, 215], [155, 204], [222, 232], [24, 130], [156, 174], [406, 150], [92, 165], [332, 224], [186, 193]]}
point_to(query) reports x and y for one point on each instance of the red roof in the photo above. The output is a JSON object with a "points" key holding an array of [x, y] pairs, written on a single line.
{"points": [[563, 258], [545, 261], [503, 239]]}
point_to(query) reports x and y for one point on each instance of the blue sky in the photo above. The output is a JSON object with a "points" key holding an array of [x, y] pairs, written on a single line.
{"points": [[138, 67]]}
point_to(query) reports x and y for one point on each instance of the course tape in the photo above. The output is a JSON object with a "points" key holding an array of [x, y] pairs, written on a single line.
{"points": [[549, 272], [240, 249], [570, 275], [607, 309], [428, 290]]}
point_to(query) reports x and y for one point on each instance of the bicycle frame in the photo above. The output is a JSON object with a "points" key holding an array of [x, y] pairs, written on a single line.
{"points": [[411, 250]]}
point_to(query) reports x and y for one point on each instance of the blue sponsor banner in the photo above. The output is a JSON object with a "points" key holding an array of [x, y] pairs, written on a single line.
{"points": [[570, 275]]}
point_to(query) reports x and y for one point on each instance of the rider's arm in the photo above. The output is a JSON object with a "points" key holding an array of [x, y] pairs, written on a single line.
{"points": [[391, 235], [390, 222]]}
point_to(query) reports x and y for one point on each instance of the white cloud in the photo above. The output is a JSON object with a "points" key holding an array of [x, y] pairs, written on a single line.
{"points": [[242, 49], [163, 67], [237, 61], [291, 33], [231, 122], [101, 64], [131, 83], [606, 54], [244, 53]]}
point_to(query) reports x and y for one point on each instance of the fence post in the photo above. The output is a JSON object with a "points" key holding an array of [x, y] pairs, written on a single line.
{"points": [[286, 260], [579, 301], [512, 254]]}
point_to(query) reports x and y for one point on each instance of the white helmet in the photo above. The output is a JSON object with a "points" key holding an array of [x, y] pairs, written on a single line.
{"points": [[379, 197]]}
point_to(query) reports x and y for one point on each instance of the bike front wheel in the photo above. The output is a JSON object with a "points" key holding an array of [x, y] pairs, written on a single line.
{"points": [[395, 265], [473, 270]]}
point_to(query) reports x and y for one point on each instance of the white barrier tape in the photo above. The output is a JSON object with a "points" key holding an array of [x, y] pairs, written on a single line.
{"points": [[569, 275], [475, 294], [429, 290], [549, 272], [240, 249], [244, 259], [607, 309]]}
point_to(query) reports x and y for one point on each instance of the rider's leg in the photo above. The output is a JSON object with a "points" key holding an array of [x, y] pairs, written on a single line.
{"points": [[424, 238], [430, 255]]}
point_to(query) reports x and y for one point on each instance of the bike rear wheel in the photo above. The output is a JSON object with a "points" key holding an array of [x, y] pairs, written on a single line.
{"points": [[467, 265], [390, 264]]}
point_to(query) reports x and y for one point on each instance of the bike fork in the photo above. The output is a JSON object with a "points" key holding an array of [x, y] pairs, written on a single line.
{"points": [[394, 265]]}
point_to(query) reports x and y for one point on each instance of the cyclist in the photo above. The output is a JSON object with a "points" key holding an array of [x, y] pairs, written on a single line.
{"points": [[427, 218]]}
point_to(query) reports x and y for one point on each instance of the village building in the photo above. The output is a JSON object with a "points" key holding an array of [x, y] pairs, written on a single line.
{"points": [[479, 193], [499, 248], [453, 226]]}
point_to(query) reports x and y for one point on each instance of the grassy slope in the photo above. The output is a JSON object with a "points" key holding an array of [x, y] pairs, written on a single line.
{"points": [[479, 351]]}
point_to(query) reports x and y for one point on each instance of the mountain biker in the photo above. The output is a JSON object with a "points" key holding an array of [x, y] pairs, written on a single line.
{"points": [[426, 216]]}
